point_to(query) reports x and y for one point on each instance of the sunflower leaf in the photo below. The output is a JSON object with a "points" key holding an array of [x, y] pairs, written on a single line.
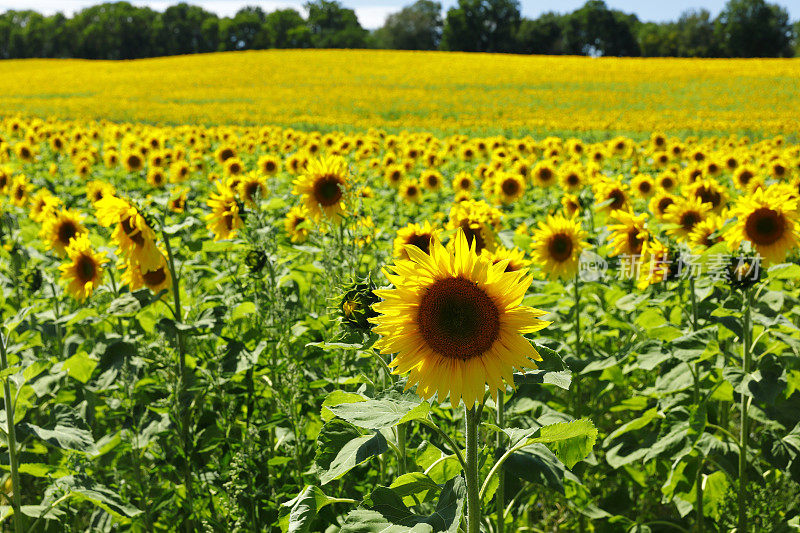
{"points": [[561, 379], [382, 413], [341, 447]]}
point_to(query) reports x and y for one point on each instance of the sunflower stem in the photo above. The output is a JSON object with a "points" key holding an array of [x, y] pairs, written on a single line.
{"points": [[745, 405], [500, 495], [699, 526], [579, 407], [401, 445], [184, 412], [471, 471], [11, 438]]}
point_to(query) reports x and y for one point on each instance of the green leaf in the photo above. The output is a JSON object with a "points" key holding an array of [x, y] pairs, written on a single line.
{"points": [[125, 305], [81, 487], [297, 514], [551, 360], [69, 432], [341, 447], [388, 513], [537, 464], [415, 487], [242, 310], [570, 441], [382, 413], [80, 366], [561, 379], [637, 423]]}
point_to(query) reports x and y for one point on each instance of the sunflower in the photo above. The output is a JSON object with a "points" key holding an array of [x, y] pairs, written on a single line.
{"points": [[177, 203], [269, 165], [509, 188], [557, 246], [132, 233], [224, 153], [571, 204], [514, 259], [133, 161], [656, 266], [660, 202], [84, 271], [411, 192], [297, 224], [323, 188], [543, 174], [463, 182], [179, 171], [706, 232], [251, 188], [643, 185], [111, 158], [5, 176], [478, 221], [685, 214], [61, 228], [20, 191], [224, 219], [745, 178], [709, 191], [156, 177], [393, 175], [571, 177], [97, 190], [233, 166], [768, 221], [455, 323], [414, 235], [42, 205], [431, 180], [612, 195], [630, 236], [156, 279]]}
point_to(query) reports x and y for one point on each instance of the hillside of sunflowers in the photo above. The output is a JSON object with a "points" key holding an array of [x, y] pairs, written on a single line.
{"points": [[371, 291]]}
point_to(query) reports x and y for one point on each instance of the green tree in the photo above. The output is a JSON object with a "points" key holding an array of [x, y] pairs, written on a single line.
{"points": [[333, 26], [543, 35], [182, 30], [245, 31], [657, 40], [482, 26], [696, 36], [415, 27], [596, 30], [754, 28], [287, 29], [116, 31]]}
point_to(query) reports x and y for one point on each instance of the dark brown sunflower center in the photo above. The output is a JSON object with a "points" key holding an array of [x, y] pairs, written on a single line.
{"points": [[510, 187], [689, 219], [667, 183], [327, 190], [270, 166], [411, 191], [645, 187], [458, 319], [634, 242], [421, 241], [225, 154], [134, 161], [66, 232], [618, 199], [573, 180], [664, 203], [85, 269], [709, 196], [560, 247], [765, 226], [154, 278], [745, 177], [779, 170], [252, 189], [545, 174], [433, 181], [132, 233]]}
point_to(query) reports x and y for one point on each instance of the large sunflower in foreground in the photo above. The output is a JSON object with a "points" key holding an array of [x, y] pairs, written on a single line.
{"points": [[84, 271], [323, 188], [558, 243], [455, 322], [769, 221]]}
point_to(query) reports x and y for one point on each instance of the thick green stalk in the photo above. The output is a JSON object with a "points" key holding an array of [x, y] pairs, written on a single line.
{"points": [[500, 495], [745, 404], [471, 473], [184, 412], [696, 375], [11, 436], [579, 407], [401, 445]]}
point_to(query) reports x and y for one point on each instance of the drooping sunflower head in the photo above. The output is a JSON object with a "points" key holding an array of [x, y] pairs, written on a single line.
{"points": [[629, 236], [156, 279], [571, 204], [419, 235], [769, 221], [455, 323], [84, 270], [324, 187], [43, 203], [177, 202], [20, 191], [706, 233], [557, 246], [60, 228], [656, 266], [710, 191], [685, 214]]}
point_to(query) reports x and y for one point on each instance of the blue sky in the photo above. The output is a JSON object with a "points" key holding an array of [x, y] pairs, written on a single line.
{"points": [[373, 13]]}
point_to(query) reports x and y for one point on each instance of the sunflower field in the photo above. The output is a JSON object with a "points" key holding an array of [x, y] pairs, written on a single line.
{"points": [[265, 327]]}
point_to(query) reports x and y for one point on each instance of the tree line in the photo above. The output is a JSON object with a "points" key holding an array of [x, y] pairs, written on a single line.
{"points": [[119, 30]]}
